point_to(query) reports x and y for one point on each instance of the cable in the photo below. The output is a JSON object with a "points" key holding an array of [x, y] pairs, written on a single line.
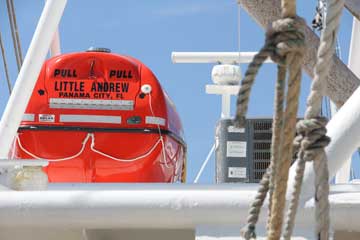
{"points": [[158, 127], [16, 32], [238, 33], [204, 163], [92, 147], [58, 159], [5, 65]]}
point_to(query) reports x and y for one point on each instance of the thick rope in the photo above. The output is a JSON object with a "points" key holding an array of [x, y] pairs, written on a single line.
{"points": [[284, 43], [282, 170], [277, 128], [265, 184], [313, 132], [288, 8], [311, 141]]}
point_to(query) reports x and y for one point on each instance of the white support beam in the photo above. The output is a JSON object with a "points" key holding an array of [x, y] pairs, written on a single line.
{"points": [[213, 57], [188, 206], [344, 131], [343, 174], [354, 51], [29, 73], [22, 163], [55, 47]]}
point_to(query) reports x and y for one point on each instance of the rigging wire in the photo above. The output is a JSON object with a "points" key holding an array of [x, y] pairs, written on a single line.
{"points": [[5, 64], [198, 175], [238, 35], [14, 32]]}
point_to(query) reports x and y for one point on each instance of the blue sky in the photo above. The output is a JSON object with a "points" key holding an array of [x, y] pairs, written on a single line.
{"points": [[150, 31]]}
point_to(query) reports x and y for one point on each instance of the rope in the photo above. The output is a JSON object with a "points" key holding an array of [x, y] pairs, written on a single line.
{"points": [[294, 60], [311, 141], [284, 45], [277, 128], [266, 182], [313, 132], [248, 232]]}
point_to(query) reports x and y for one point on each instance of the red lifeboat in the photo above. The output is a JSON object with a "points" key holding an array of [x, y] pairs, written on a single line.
{"points": [[102, 117]]}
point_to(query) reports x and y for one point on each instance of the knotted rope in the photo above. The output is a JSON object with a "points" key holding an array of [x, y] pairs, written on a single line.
{"points": [[310, 143], [284, 45], [311, 139]]}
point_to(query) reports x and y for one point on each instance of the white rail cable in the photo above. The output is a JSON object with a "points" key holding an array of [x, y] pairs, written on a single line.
{"points": [[58, 159], [159, 130], [92, 147], [204, 163]]}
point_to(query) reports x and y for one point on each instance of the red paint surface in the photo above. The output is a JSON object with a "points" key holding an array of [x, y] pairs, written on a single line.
{"points": [[82, 70]]}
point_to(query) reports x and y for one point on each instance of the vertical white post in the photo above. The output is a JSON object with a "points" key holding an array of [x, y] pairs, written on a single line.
{"points": [[55, 47], [29, 73], [343, 175], [354, 52], [225, 105]]}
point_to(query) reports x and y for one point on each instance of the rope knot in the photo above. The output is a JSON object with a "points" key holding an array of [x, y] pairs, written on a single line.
{"points": [[248, 232], [311, 138], [285, 36]]}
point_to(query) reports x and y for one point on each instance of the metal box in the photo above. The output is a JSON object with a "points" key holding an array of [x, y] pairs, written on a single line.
{"points": [[243, 155]]}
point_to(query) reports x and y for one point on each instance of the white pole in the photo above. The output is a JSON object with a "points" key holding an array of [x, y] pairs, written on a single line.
{"points": [[213, 57], [343, 174], [174, 206], [354, 52], [29, 73], [225, 105], [55, 48]]}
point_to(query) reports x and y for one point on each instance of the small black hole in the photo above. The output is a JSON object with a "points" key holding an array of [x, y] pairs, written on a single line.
{"points": [[142, 95]]}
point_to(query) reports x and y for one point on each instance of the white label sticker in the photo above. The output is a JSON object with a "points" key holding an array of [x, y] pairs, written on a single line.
{"points": [[46, 118], [28, 117], [235, 149], [155, 120], [233, 129], [237, 172]]}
